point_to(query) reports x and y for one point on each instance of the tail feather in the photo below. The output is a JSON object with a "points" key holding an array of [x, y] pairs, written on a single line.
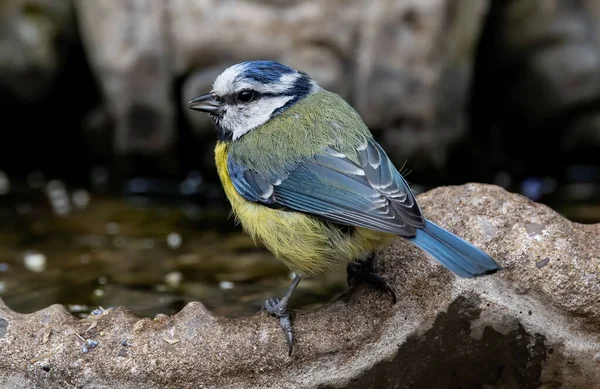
{"points": [[461, 257]]}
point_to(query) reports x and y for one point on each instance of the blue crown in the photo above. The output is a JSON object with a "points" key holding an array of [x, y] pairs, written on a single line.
{"points": [[264, 72]]}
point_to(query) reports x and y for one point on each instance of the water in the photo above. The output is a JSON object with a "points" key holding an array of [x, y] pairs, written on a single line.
{"points": [[85, 252], [62, 245]]}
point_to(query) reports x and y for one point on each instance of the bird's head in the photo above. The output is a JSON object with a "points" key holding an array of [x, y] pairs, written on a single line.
{"points": [[249, 94]]}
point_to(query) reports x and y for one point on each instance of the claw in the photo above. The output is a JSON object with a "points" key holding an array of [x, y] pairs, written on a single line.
{"points": [[286, 324], [363, 271], [278, 309]]}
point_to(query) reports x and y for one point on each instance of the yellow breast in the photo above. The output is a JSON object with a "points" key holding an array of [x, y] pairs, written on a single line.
{"points": [[306, 244]]}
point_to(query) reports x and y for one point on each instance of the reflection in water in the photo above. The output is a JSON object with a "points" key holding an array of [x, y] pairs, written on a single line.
{"points": [[87, 251], [84, 252]]}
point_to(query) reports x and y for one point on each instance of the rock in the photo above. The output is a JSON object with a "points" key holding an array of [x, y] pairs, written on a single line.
{"points": [[528, 326], [32, 41], [538, 78], [133, 64], [558, 45], [405, 66]]}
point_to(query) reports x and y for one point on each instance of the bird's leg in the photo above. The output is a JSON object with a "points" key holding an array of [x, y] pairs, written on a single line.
{"points": [[363, 271], [278, 308]]}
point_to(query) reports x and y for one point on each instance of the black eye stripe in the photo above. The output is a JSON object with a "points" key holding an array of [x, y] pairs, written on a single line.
{"points": [[232, 98]]}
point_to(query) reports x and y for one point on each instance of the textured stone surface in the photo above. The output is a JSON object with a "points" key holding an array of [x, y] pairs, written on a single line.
{"points": [[405, 66], [535, 324]]}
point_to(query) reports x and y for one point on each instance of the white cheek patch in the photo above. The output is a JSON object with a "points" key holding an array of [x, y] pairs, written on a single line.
{"points": [[244, 118], [238, 119]]}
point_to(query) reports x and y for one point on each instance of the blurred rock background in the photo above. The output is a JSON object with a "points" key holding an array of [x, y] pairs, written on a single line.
{"points": [[506, 92], [94, 97]]}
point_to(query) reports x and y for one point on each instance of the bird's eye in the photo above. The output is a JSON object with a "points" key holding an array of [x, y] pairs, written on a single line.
{"points": [[245, 96]]}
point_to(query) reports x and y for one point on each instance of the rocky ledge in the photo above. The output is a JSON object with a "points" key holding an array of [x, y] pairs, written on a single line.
{"points": [[534, 324]]}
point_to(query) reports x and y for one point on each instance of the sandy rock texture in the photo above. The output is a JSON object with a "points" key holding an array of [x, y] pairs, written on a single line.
{"points": [[534, 324]]}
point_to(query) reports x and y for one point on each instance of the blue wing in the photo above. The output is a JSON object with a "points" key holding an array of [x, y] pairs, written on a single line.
{"points": [[370, 193]]}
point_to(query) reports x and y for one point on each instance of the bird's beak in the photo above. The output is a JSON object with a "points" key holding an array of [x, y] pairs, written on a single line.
{"points": [[205, 103]]}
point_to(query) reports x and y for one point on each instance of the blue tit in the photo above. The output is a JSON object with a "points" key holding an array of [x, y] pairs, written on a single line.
{"points": [[304, 175]]}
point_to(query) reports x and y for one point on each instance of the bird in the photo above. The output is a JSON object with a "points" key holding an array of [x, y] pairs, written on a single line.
{"points": [[304, 175]]}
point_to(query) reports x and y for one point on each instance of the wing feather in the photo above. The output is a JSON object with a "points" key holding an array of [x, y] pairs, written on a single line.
{"points": [[370, 194]]}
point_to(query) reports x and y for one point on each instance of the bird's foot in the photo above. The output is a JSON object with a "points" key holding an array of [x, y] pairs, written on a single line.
{"points": [[363, 271], [279, 309]]}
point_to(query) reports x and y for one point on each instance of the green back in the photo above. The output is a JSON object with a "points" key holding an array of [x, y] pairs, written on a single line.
{"points": [[313, 123]]}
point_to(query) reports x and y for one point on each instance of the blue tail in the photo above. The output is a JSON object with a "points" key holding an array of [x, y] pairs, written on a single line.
{"points": [[462, 258]]}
